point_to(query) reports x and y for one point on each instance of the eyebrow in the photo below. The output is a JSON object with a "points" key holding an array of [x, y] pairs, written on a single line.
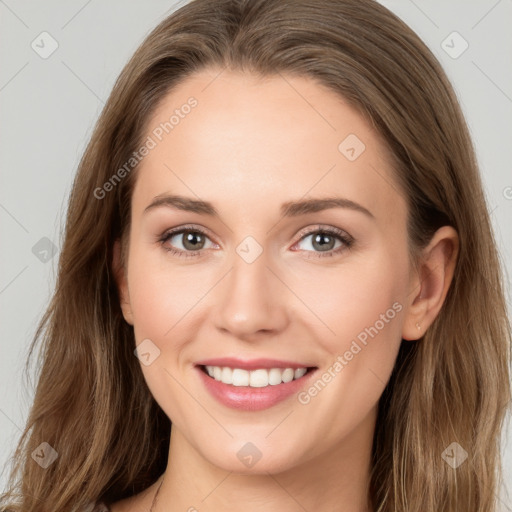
{"points": [[288, 209]]}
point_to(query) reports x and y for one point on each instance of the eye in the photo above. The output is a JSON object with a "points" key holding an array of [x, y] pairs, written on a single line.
{"points": [[191, 239], [324, 239]]}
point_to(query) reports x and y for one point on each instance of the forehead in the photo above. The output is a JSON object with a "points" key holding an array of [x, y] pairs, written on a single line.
{"points": [[240, 140]]}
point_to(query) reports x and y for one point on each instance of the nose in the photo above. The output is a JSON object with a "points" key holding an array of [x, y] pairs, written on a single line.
{"points": [[252, 300]]}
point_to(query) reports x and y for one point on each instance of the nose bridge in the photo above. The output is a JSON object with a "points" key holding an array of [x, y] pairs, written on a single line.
{"points": [[252, 299]]}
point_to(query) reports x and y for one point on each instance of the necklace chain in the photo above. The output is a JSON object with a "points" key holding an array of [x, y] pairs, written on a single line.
{"points": [[156, 496]]}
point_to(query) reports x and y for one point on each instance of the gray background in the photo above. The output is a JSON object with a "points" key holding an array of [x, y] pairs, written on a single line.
{"points": [[49, 106]]}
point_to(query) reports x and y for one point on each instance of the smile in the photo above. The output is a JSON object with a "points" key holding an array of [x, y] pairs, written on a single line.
{"points": [[253, 389], [259, 378]]}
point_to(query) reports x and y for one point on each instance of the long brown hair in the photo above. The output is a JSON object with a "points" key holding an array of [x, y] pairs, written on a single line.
{"points": [[92, 405]]}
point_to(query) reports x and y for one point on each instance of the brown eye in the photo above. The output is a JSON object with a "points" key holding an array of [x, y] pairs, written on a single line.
{"points": [[324, 241], [185, 242], [192, 240]]}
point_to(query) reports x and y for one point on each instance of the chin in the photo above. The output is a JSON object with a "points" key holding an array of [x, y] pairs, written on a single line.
{"points": [[246, 459]]}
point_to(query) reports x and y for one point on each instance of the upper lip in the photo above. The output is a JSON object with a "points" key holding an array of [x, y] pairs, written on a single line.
{"points": [[251, 364]]}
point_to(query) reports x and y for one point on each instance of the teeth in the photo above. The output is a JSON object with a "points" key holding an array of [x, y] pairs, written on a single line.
{"points": [[299, 372], [258, 378], [239, 377], [288, 375], [255, 378], [275, 376]]}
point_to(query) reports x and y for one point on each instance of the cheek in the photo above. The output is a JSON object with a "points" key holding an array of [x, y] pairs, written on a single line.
{"points": [[362, 306], [159, 297], [160, 301], [364, 309]]}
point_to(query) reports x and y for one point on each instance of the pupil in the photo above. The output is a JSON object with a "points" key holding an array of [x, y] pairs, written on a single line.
{"points": [[323, 239], [189, 239]]}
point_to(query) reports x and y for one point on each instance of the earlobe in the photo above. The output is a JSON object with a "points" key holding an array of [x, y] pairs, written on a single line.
{"points": [[432, 283], [122, 283]]}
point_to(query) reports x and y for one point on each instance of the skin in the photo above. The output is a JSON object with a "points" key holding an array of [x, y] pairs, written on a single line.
{"points": [[250, 145]]}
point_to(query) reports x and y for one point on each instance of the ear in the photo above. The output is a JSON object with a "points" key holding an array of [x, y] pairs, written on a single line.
{"points": [[430, 286], [122, 283]]}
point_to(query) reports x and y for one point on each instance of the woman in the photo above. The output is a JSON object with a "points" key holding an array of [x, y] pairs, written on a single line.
{"points": [[277, 241]]}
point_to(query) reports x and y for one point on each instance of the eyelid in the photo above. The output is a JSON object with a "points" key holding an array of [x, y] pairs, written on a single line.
{"points": [[186, 227], [309, 230]]}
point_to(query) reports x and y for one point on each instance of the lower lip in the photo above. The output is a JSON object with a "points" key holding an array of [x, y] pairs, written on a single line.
{"points": [[246, 398]]}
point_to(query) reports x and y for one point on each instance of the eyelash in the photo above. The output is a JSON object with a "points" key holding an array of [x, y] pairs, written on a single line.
{"points": [[346, 239]]}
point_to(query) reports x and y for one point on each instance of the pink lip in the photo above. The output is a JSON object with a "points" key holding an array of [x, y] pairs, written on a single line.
{"points": [[253, 364], [245, 398]]}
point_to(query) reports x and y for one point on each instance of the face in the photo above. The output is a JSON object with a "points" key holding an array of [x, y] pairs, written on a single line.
{"points": [[252, 281]]}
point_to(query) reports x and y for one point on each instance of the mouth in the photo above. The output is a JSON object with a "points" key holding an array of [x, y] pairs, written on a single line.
{"points": [[255, 378], [253, 385]]}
